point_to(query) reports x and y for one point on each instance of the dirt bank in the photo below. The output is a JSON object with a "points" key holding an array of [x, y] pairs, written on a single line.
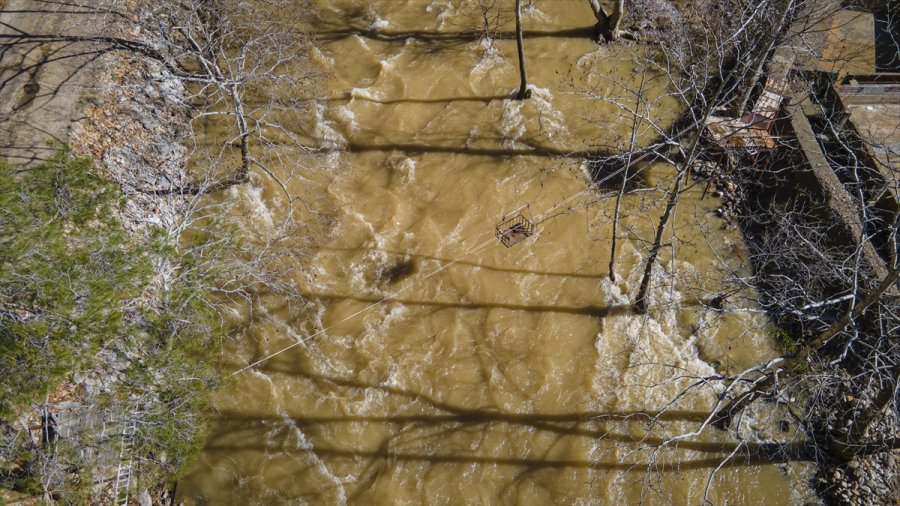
{"points": [[41, 84]]}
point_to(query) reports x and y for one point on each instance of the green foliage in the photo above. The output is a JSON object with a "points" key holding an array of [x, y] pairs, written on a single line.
{"points": [[18, 474], [786, 343], [175, 372], [68, 270], [174, 424], [73, 281]]}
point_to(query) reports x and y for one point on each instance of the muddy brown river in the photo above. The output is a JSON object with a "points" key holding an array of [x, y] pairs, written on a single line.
{"points": [[432, 365]]}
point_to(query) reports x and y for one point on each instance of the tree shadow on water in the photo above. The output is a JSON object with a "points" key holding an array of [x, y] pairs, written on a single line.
{"points": [[266, 437], [588, 424], [445, 261], [587, 310], [332, 34]]}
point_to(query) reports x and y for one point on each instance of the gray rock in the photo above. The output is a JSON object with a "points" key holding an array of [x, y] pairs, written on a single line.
{"points": [[148, 122], [150, 91]]}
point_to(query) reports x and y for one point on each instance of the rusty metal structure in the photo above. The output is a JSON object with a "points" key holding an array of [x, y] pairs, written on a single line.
{"points": [[515, 227], [752, 131]]}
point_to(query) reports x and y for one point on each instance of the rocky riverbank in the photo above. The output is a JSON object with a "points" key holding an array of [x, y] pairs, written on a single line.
{"points": [[869, 480], [721, 184], [135, 129], [110, 421], [834, 393]]}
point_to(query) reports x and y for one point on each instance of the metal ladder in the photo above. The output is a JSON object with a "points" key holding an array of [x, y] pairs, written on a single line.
{"points": [[124, 472]]}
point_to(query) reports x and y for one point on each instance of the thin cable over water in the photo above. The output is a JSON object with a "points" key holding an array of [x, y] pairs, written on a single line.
{"points": [[540, 218], [370, 306]]}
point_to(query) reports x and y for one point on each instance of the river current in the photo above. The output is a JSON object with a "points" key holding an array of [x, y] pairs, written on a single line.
{"points": [[430, 364]]}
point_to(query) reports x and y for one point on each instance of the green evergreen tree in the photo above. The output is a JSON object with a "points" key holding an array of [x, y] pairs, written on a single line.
{"points": [[74, 281], [68, 270]]}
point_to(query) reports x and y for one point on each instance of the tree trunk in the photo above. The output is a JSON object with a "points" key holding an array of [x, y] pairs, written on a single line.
{"points": [[855, 442], [616, 17], [641, 303], [886, 394], [635, 124], [770, 38], [523, 88], [607, 26], [612, 249]]}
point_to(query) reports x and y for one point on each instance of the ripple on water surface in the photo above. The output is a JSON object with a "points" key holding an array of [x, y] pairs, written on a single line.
{"points": [[491, 375]]}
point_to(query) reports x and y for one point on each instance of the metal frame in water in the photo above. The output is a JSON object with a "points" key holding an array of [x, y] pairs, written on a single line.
{"points": [[516, 229]]}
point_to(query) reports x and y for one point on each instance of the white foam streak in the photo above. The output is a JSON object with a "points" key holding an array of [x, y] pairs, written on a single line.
{"points": [[325, 131], [257, 214], [320, 56], [445, 10], [348, 117], [552, 122], [407, 165], [512, 123], [303, 444], [363, 93], [273, 390], [645, 359], [490, 58], [379, 23], [532, 12]]}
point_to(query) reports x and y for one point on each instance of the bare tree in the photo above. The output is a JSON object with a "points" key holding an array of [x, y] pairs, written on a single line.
{"points": [[840, 301], [221, 51], [825, 267], [523, 92], [233, 68], [637, 120], [762, 52], [490, 19], [836, 311]]}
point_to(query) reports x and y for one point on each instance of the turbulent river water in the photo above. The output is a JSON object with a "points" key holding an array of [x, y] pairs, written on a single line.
{"points": [[493, 375]]}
